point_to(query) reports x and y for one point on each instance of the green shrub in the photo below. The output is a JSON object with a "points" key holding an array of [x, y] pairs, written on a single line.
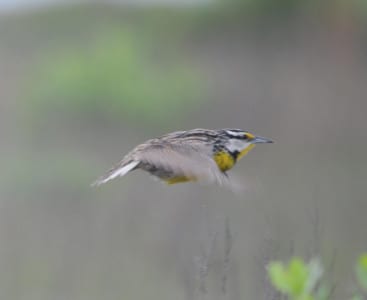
{"points": [[303, 281], [298, 280]]}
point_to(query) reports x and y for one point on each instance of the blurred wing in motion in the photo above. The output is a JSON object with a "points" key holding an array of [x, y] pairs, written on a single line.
{"points": [[169, 162], [182, 161]]}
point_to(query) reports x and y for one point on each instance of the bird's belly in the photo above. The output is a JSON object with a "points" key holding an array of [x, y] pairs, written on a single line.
{"points": [[165, 175], [224, 161], [178, 179]]}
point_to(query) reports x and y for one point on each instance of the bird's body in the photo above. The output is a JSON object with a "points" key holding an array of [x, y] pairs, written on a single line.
{"points": [[193, 155]]}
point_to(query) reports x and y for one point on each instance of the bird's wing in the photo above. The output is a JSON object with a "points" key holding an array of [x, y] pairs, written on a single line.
{"points": [[183, 160]]}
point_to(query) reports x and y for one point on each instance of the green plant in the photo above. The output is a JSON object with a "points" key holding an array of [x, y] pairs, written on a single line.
{"points": [[361, 274], [303, 281], [298, 280]]}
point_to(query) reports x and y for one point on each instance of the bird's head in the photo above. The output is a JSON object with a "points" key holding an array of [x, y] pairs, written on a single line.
{"points": [[240, 142]]}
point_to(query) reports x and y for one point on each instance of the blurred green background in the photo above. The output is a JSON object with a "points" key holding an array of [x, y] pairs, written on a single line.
{"points": [[82, 84]]}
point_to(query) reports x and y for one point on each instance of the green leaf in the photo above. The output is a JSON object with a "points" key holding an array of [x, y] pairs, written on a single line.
{"points": [[297, 276], [292, 279], [278, 277]]}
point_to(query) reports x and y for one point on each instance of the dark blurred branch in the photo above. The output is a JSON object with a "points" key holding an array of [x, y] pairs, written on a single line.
{"points": [[203, 263], [228, 243], [316, 231]]}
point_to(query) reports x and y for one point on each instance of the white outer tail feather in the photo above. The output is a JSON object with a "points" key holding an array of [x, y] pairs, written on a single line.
{"points": [[120, 171]]}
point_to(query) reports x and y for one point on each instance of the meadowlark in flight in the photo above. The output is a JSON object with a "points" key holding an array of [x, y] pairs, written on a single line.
{"points": [[193, 155]]}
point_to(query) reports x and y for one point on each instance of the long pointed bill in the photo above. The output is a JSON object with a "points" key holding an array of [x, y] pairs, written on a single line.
{"points": [[260, 140]]}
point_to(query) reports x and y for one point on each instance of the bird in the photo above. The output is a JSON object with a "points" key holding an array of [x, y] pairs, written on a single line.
{"points": [[185, 156]]}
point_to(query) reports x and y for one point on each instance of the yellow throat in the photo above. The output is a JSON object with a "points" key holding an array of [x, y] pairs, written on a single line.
{"points": [[225, 161], [245, 151]]}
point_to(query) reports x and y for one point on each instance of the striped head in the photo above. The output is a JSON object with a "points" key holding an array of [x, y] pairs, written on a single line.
{"points": [[239, 142]]}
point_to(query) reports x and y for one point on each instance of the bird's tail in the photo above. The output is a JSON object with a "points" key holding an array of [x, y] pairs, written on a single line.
{"points": [[120, 170]]}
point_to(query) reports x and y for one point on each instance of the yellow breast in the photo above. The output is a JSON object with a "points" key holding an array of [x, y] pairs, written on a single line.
{"points": [[224, 160]]}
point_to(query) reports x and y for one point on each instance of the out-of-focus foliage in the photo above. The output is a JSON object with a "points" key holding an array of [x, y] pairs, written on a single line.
{"points": [[284, 6], [115, 77], [282, 10], [361, 271], [268, 6], [298, 280], [301, 281]]}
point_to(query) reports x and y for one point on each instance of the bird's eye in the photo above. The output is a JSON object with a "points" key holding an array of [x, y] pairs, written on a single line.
{"points": [[245, 136]]}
